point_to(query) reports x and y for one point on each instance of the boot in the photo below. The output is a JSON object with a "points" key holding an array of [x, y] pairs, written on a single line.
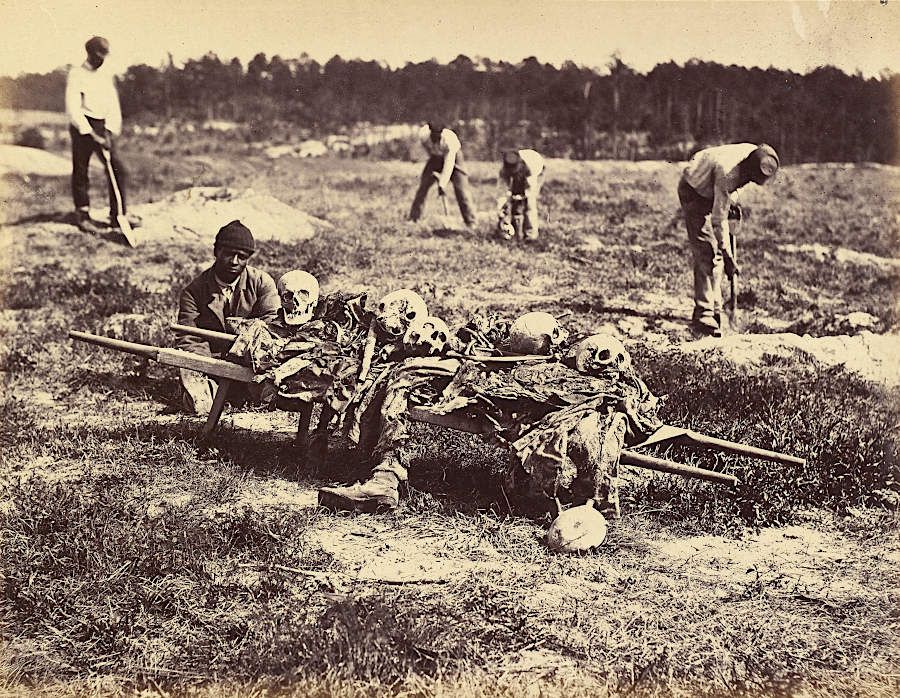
{"points": [[376, 495], [707, 325], [86, 224]]}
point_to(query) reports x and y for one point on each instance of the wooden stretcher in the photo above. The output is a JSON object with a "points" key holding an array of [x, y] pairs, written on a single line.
{"points": [[229, 373]]}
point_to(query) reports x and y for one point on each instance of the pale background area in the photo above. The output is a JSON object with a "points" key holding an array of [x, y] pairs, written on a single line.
{"points": [[853, 35]]}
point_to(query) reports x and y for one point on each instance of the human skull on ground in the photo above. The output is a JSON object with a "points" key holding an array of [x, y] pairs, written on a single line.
{"points": [[600, 352], [398, 310], [536, 333], [299, 293], [426, 337], [577, 529]]}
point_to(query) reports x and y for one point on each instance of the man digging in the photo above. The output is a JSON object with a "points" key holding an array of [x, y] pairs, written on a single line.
{"points": [[445, 165], [229, 288], [95, 119], [706, 189]]}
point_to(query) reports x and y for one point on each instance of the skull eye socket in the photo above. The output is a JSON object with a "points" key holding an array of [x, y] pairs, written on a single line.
{"points": [[441, 337], [381, 307], [411, 315], [604, 355]]}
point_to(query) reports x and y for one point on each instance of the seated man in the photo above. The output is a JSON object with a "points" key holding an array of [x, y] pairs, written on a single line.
{"points": [[229, 288]]}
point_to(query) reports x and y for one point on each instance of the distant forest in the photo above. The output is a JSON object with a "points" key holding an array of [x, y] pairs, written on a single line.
{"points": [[572, 111]]}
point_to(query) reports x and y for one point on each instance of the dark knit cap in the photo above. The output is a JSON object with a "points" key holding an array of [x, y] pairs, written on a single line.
{"points": [[98, 46], [237, 236], [511, 159]]}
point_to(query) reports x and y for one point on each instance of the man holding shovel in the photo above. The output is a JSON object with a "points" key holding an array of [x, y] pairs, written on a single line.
{"points": [[445, 165], [95, 119], [706, 189]]}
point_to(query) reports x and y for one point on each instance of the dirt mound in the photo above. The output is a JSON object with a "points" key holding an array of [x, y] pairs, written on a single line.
{"points": [[844, 256], [198, 213], [873, 357], [16, 159]]}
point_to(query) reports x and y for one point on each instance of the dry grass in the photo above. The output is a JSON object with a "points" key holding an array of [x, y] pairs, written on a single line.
{"points": [[136, 563]]}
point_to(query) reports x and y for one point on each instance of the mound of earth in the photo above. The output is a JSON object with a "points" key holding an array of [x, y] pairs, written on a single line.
{"points": [[199, 212], [872, 357], [843, 256], [17, 159]]}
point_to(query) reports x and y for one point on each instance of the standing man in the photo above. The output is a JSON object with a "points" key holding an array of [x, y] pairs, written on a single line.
{"points": [[706, 188], [523, 174], [229, 288], [445, 164], [95, 119]]}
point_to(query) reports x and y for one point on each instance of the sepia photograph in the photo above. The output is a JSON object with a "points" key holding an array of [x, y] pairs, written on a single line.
{"points": [[407, 349]]}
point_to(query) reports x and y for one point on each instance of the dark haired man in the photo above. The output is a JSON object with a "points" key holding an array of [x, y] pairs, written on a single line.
{"points": [[522, 174], [95, 119], [445, 164], [229, 288], [706, 189]]}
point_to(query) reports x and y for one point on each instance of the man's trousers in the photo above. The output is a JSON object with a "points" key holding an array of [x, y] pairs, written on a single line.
{"points": [[82, 149]]}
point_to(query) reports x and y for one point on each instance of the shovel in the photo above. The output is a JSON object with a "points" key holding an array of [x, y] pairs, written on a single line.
{"points": [[121, 218], [735, 216], [446, 223]]}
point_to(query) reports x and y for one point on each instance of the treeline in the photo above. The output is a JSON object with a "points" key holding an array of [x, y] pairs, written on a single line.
{"points": [[825, 115]]}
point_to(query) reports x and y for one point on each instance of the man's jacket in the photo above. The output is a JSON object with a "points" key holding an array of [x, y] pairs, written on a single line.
{"points": [[203, 305]]}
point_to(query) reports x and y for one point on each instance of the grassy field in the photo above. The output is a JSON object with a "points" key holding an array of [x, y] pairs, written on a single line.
{"points": [[137, 562]]}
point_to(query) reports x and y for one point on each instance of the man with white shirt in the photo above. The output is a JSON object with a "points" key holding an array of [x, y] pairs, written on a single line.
{"points": [[445, 164], [95, 119], [707, 188], [522, 174], [229, 288]]}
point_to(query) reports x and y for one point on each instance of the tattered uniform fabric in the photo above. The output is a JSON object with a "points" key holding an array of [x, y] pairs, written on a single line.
{"points": [[564, 429]]}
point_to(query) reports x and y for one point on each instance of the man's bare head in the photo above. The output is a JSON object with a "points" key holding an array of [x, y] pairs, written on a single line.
{"points": [[97, 50]]}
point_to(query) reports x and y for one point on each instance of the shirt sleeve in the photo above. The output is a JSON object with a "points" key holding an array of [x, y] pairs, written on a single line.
{"points": [[451, 143], [718, 217], [114, 115], [535, 165], [188, 312], [73, 101]]}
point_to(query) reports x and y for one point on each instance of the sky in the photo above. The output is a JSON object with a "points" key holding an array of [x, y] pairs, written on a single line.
{"points": [[862, 36]]}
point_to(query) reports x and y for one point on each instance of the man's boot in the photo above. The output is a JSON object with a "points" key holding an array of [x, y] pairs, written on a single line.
{"points": [[86, 224], [378, 494]]}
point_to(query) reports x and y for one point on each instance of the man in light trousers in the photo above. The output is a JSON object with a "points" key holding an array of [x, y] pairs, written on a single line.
{"points": [[706, 189]]}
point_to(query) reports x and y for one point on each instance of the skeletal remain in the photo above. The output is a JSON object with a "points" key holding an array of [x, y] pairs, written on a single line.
{"points": [[577, 529], [536, 333], [426, 337], [398, 310], [299, 293], [600, 352]]}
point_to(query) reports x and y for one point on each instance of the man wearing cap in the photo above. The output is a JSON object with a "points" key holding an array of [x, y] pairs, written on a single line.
{"points": [[95, 119], [229, 288], [445, 164], [706, 189], [522, 174]]}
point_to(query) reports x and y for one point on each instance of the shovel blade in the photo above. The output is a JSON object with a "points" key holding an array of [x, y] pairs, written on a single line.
{"points": [[127, 230]]}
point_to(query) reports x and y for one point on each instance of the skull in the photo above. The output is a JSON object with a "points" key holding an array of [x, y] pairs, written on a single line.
{"points": [[398, 310], [536, 333], [600, 352], [577, 529], [299, 293], [426, 337]]}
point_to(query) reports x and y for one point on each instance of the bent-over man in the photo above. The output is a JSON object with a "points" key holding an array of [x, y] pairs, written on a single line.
{"points": [[229, 288], [445, 164], [706, 188], [522, 174], [95, 119]]}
